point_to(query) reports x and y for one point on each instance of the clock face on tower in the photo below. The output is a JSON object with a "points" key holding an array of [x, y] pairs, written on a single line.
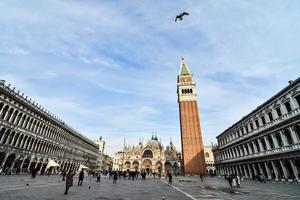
{"points": [[191, 136]]}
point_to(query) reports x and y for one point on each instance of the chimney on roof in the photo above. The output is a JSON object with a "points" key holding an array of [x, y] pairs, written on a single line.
{"points": [[291, 81]]}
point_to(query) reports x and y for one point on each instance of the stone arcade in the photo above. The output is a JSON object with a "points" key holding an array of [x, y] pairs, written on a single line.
{"points": [[30, 137], [266, 141]]}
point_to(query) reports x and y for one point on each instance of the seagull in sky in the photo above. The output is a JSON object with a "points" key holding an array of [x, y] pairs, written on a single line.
{"points": [[180, 17]]}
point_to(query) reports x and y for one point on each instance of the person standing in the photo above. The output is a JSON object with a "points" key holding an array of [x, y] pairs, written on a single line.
{"points": [[234, 181], [229, 179], [169, 177], [115, 177], [81, 177], [238, 181], [201, 177], [159, 175], [69, 181], [64, 175], [98, 176], [33, 173]]}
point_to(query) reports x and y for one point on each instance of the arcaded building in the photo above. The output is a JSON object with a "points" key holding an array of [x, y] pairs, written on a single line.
{"points": [[209, 160], [151, 157], [266, 141], [193, 162], [31, 137]]}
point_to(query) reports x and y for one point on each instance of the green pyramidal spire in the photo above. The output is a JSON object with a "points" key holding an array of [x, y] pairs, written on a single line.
{"points": [[184, 70]]}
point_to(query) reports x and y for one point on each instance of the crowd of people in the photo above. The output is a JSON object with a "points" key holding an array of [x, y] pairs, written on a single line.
{"points": [[233, 180], [114, 175]]}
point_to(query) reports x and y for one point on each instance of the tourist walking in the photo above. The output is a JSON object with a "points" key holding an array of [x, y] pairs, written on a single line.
{"points": [[115, 177], [229, 179], [144, 176], [201, 177], [64, 173], [33, 173], [81, 177], [238, 181], [234, 181], [69, 181], [169, 174], [261, 178], [159, 175]]}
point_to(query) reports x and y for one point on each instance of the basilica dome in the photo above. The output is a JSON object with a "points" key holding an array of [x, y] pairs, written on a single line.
{"points": [[153, 143]]}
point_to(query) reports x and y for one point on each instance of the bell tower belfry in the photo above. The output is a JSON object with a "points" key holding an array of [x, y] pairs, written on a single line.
{"points": [[191, 136]]}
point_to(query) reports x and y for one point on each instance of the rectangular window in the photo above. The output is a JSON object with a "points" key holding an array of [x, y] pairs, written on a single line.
{"points": [[240, 133], [256, 123], [278, 112], [251, 126], [298, 99], [270, 116], [288, 106], [247, 130], [263, 120]]}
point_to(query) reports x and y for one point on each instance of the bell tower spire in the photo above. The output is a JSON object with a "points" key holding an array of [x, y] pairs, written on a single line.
{"points": [[191, 136], [184, 70]]}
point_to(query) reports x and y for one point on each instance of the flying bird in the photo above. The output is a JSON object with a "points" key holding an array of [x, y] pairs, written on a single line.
{"points": [[180, 17]]}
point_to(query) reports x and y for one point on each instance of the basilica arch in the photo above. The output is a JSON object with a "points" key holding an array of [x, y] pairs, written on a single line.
{"points": [[127, 165], [168, 166], [148, 154], [158, 166], [147, 165], [135, 165]]}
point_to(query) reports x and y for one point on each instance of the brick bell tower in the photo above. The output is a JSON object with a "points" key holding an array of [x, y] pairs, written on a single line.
{"points": [[191, 137]]}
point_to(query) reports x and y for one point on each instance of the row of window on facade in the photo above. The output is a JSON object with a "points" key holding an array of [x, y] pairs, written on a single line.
{"points": [[29, 143], [262, 120], [271, 141], [31, 124], [36, 125]]}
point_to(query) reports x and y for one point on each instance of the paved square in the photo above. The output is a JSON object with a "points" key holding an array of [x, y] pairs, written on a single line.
{"points": [[184, 188], [52, 188], [218, 188]]}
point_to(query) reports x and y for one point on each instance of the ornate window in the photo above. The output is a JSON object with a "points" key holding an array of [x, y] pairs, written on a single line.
{"points": [[148, 154]]}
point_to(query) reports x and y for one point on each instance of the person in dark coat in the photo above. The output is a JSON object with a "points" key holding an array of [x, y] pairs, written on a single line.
{"points": [[230, 179], [64, 175], [69, 181], [98, 176], [115, 177], [34, 172], [169, 174], [80, 179], [201, 177]]}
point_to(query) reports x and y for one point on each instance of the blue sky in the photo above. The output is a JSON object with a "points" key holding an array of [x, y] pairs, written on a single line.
{"points": [[109, 68]]}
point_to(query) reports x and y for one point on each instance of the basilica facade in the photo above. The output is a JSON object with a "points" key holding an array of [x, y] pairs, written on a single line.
{"points": [[151, 157]]}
